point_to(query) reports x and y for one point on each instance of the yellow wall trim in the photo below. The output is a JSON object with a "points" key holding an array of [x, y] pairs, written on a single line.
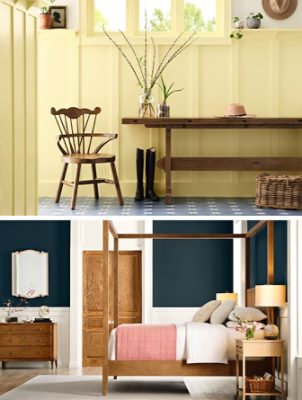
{"points": [[18, 113]]}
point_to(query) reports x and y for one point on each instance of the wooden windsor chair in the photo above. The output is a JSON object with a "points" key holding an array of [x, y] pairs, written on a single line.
{"points": [[77, 135]]}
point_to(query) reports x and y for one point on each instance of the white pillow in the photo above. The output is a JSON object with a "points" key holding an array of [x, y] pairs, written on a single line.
{"points": [[205, 312], [220, 315], [232, 324], [247, 314]]}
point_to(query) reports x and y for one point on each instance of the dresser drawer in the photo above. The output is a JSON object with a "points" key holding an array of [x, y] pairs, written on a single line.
{"points": [[28, 329], [23, 340], [20, 353]]}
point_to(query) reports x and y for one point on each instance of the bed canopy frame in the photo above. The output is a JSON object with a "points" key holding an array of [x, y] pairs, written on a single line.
{"points": [[173, 368]]}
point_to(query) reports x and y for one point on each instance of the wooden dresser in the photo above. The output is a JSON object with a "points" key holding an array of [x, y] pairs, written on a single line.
{"points": [[28, 342]]}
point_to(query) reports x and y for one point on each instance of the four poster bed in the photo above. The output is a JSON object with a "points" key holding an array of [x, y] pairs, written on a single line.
{"points": [[113, 366]]}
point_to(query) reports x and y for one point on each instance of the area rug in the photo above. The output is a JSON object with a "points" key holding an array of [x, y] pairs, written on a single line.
{"points": [[88, 387], [210, 388]]}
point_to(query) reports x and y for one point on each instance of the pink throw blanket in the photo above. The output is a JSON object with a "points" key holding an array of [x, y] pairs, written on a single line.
{"points": [[146, 342]]}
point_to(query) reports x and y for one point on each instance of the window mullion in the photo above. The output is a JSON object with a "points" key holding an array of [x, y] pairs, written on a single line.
{"points": [[132, 16], [178, 16]]}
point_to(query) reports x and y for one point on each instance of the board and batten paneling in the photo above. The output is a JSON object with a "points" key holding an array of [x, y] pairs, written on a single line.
{"points": [[18, 109], [262, 71]]}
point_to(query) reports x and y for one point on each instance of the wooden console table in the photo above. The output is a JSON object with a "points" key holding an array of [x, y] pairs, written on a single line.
{"points": [[169, 163], [28, 342]]}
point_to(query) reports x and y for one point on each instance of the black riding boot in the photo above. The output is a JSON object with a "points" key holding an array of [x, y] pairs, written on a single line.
{"points": [[150, 172], [139, 196]]}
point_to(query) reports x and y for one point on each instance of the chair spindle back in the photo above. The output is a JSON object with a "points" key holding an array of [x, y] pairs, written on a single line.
{"points": [[77, 128]]}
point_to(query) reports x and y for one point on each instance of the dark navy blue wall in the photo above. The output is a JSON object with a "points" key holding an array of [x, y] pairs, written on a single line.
{"points": [[188, 273], [52, 237], [259, 255]]}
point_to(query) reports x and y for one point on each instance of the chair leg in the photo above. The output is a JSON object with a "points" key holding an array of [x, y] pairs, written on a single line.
{"points": [[117, 184], [95, 185], [59, 191], [75, 188]]}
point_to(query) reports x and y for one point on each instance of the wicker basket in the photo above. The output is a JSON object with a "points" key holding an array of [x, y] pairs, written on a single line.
{"points": [[256, 385], [279, 191]]}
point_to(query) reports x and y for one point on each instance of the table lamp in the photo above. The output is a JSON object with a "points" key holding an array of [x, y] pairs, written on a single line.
{"points": [[270, 296], [227, 296]]}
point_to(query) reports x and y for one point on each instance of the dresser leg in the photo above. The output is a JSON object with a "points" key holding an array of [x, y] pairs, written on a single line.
{"points": [[56, 363], [52, 364], [3, 364]]}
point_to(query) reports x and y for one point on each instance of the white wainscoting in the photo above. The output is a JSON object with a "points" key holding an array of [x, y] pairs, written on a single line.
{"points": [[60, 315], [299, 378]]}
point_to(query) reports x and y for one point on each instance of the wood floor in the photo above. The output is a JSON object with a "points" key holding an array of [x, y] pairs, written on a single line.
{"points": [[11, 378]]}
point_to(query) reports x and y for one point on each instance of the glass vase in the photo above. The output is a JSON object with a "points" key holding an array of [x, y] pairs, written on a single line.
{"points": [[146, 106], [249, 333], [163, 111]]}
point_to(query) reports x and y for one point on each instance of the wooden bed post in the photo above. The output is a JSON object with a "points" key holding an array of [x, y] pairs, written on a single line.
{"points": [[105, 304], [116, 283], [247, 268], [270, 265]]}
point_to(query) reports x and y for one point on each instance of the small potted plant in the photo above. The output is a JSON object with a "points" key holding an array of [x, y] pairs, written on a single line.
{"points": [[236, 32], [163, 110], [253, 21], [46, 17]]}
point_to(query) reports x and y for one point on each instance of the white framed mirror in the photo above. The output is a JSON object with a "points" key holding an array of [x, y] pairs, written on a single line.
{"points": [[30, 274]]}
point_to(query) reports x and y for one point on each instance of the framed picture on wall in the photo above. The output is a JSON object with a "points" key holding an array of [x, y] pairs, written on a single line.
{"points": [[58, 14]]}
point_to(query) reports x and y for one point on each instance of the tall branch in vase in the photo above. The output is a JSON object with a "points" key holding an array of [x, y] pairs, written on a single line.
{"points": [[140, 67]]}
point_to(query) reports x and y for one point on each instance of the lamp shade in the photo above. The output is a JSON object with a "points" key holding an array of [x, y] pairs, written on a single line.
{"points": [[270, 295], [227, 296]]}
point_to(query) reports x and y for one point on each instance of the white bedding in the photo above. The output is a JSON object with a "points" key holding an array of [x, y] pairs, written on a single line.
{"points": [[206, 343], [181, 349]]}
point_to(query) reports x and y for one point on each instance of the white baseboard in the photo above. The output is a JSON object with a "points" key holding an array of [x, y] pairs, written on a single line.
{"points": [[60, 315]]}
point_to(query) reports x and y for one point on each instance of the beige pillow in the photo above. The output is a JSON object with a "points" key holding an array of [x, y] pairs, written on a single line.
{"points": [[220, 315], [247, 314], [205, 312]]}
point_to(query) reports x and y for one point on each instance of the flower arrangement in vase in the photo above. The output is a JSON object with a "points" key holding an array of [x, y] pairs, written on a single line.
{"points": [[247, 327], [144, 68], [10, 309]]}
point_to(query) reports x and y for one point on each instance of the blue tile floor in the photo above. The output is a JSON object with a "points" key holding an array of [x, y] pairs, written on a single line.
{"points": [[191, 206]]}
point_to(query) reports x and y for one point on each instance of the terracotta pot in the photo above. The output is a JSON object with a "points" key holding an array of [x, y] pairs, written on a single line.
{"points": [[45, 21]]}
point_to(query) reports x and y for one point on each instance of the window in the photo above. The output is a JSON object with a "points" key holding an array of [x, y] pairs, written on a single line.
{"points": [[165, 18], [158, 14], [112, 18], [200, 15]]}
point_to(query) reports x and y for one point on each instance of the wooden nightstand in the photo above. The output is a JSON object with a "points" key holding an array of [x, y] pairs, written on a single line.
{"points": [[259, 348]]}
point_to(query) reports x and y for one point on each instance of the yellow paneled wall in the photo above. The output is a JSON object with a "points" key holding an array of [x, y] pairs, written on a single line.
{"points": [[262, 71], [18, 42]]}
